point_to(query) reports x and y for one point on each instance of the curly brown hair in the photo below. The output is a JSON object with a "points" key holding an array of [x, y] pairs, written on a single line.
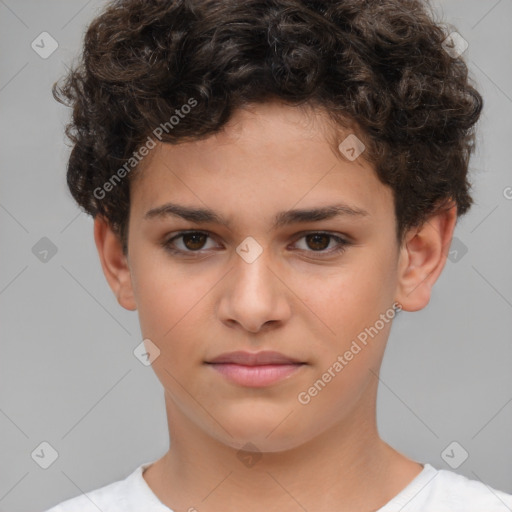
{"points": [[378, 65]]}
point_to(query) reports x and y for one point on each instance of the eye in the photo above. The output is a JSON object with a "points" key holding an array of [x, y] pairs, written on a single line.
{"points": [[193, 243], [318, 242]]}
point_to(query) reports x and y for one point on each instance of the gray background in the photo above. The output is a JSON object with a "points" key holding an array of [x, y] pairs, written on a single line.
{"points": [[67, 372]]}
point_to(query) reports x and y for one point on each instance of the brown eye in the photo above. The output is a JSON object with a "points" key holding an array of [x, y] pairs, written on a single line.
{"points": [[188, 242], [194, 241], [318, 241]]}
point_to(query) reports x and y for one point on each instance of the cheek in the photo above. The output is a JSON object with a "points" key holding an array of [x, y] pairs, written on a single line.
{"points": [[351, 303], [346, 369], [170, 303], [163, 290], [352, 298]]}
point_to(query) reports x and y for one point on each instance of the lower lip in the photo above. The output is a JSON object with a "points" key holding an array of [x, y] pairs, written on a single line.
{"points": [[255, 376]]}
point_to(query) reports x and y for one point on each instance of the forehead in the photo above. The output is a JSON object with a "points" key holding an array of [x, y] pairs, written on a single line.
{"points": [[266, 157]]}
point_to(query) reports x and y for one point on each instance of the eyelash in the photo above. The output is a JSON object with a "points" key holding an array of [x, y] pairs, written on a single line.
{"points": [[343, 243]]}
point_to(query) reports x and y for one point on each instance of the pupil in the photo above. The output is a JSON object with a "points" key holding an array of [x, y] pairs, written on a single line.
{"points": [[194, 237], [316, 237]]}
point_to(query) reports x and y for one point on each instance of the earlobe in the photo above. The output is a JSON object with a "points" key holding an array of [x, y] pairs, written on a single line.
{"points": [[114, 263], [423, 257]]}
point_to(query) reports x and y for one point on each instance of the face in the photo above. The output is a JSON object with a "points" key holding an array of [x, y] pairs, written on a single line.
{"points": [[317, 289]]}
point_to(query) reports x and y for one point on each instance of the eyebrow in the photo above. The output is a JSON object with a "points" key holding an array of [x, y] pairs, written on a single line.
{"points": [[205, 215]]}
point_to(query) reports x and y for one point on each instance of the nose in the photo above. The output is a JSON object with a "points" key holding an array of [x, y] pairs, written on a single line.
{"points": [[254, 297]]}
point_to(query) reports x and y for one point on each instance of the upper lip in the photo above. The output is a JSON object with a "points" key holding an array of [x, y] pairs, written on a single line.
{"points": [[254, 358]]}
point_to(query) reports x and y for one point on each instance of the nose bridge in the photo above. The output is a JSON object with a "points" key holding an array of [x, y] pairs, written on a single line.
{"points": [[253, 295], [252, 275]]}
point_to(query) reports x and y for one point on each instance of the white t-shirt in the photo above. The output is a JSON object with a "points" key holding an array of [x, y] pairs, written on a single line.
{"points": [[432, 490]]}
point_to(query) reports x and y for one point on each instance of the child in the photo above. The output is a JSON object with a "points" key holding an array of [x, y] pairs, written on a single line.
{"points": [[216, 143]]}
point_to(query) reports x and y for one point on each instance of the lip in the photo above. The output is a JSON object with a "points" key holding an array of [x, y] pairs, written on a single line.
{"points": [[255, 369], [265, 357]]}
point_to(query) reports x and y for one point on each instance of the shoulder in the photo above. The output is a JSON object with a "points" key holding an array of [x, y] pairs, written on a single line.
{"points": [[108, 499], [462, 493], [118, 496], [440, 490]]}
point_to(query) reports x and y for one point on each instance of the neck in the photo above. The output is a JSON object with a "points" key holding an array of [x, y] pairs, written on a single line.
{"points": [[347, 467]]}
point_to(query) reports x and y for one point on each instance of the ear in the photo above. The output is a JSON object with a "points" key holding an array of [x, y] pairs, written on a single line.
{"points": [[114, 263], [422, 257]]}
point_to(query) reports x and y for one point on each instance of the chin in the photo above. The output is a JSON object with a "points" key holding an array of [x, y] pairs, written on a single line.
{"points": [[259, 443], [266, 433]]}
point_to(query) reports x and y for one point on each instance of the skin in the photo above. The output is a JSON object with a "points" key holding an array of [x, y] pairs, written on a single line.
{"points": [[269, 158]]}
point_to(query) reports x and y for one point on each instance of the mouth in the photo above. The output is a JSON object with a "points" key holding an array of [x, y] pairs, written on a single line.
{"points": [[257, 369]]}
